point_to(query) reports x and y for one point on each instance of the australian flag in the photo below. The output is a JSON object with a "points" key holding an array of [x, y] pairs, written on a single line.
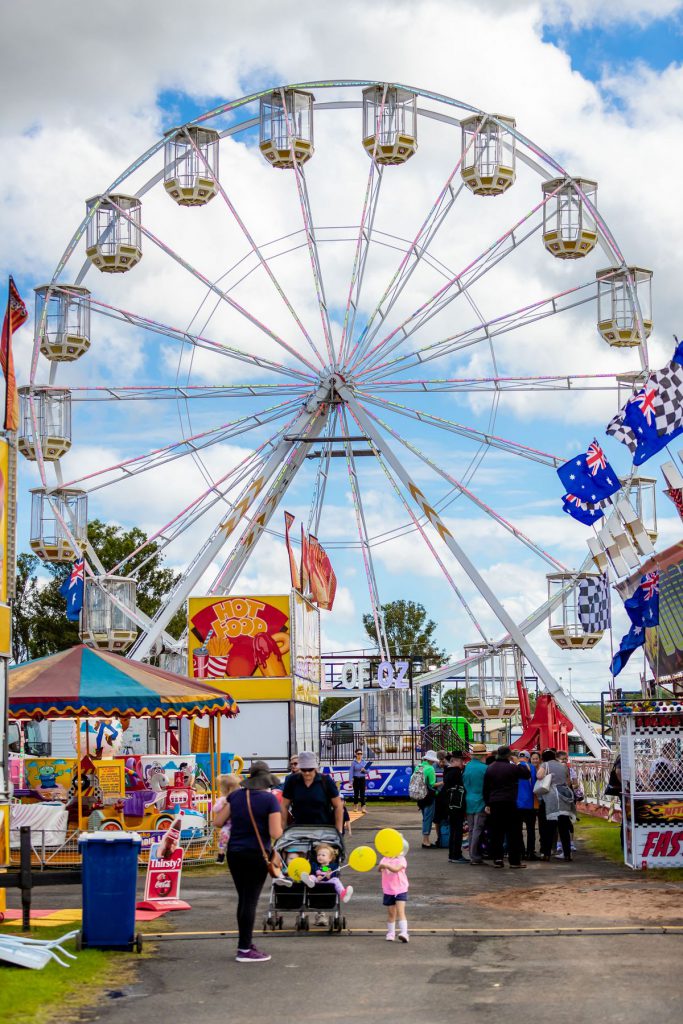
{"points": [[643, 611], [635, 425], [577, 509], [72, 590], [589, 476]]}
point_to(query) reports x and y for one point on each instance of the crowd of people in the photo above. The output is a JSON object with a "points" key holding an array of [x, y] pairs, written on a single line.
{"points": [[513, 804], [502, 801]]}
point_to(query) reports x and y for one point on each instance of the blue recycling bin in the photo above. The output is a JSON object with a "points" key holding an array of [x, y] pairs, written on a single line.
{"points": [[109, 878]]}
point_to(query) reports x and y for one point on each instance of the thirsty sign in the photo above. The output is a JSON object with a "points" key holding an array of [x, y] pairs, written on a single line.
{"points": [[164, 868]]}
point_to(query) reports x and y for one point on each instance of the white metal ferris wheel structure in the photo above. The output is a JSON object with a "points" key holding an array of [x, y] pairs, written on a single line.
{"points": [[368, 359]]}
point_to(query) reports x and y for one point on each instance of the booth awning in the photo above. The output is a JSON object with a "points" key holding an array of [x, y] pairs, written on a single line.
{"points": [[81, 682]]}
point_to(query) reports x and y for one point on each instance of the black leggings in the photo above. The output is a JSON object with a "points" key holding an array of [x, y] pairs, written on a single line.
{"points": [[359, 790], [249, 872], [549, 832]]}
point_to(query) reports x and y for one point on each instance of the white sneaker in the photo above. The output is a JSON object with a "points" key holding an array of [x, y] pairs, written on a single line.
{"points": [[307, 880], [347, 894], [403, 937], [391, 937]]}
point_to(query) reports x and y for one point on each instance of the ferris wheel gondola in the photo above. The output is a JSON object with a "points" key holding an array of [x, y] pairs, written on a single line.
{"points": [[362, 360]]}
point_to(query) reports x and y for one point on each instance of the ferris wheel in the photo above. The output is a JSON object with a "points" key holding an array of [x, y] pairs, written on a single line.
{"points": [[453, 269]]}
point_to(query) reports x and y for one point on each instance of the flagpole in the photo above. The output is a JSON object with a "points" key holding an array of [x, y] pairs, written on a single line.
{"points": [[15, 315]]}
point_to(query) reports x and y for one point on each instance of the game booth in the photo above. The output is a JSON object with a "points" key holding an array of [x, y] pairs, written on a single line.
{"points": [[98, 789], [651, 750]]}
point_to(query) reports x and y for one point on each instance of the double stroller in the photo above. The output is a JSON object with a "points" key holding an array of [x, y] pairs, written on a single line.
{"points": [[298, 898]]}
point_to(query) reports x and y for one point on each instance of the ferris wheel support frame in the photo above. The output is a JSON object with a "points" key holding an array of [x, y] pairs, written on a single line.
{"points": [[566, 703], [309, 421]]}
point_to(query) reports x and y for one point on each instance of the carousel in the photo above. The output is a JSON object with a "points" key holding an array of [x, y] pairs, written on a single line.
{"points": [[100, 789]]}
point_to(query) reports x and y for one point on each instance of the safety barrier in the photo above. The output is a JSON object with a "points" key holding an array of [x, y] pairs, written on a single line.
{"points": [[50, 850]]}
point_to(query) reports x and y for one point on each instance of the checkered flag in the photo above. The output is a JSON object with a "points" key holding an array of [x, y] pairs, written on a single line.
{"points": [[594, 604], [669, 384], [620, 431], [669, 410]]}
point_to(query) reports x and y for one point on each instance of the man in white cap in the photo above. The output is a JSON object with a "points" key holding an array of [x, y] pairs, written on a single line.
{"points": [[426, 804]]}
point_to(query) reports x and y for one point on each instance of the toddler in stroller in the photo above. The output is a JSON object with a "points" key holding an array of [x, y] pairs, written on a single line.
{"points": [[327, 856], [321, 896]]}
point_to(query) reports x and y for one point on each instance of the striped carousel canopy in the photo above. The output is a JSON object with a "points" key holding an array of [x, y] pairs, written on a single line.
{"points": [[81, 682]]}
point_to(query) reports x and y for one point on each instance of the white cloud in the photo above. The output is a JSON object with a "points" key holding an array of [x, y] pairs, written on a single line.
{"points": [[86, 103]]}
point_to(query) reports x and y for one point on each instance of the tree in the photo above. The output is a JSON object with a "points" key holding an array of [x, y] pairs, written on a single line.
{"points": [[408, 631], [329, 705], [39, 623]]}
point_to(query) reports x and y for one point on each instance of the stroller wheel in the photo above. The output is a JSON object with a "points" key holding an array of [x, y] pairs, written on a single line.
{"points": [[306, 924], [330, 927], [343, 924], [280, 922]]}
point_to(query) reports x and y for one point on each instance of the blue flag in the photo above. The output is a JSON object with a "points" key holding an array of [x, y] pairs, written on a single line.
{"points": [[642, 609], [635, 425], [72, 590], [590, 476], [577, 509], [634, 639]]}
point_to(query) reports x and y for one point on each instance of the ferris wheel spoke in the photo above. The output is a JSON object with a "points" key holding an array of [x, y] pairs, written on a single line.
{"points": [[185, 446], [492, 440], [309, 231], [166, 392], [212, 286], [366, 550], [322, 477], [435, 555], [457, 285], [256, 250], [487, 593], [245, 470], [485, 331], [471, 496], [365, 229], [466, 385], [417, 251], [197, 340], [310, 422]]}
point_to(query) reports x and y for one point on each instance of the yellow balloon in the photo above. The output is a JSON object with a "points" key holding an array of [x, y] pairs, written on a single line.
{"points": [[296, 867], [389, 842], [363, 858]]}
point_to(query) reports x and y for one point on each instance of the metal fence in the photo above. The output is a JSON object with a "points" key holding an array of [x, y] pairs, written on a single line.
{"points": [[400, 746], [51, 850], [593, 777]]}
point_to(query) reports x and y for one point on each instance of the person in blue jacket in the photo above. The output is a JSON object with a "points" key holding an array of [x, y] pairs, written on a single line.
{"points": [[525, 806]]}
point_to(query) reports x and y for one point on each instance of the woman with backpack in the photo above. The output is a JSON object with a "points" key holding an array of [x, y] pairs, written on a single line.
{"points": [[454, 791], [423, 789]]}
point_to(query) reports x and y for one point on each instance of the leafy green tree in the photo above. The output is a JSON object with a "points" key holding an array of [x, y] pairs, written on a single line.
{"points": [[329, 705], [409, 632], [39, 622]]}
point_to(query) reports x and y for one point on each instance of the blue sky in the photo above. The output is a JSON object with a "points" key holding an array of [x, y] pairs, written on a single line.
{"points": [[619, 62]]}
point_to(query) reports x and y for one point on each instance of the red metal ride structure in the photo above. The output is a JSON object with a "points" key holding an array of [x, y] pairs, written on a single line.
{"points": [[547, 727]]}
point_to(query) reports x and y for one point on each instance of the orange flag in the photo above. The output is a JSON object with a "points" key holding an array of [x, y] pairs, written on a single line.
{"points": [[323, 580], [15, 315], [305, 572], [294, 571]]}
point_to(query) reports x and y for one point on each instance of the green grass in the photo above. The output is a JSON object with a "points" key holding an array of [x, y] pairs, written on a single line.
{"points": [[602, 838], [57, 993]]}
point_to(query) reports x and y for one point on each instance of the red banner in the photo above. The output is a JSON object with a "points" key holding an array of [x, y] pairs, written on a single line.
{"points": [[15, 315]]}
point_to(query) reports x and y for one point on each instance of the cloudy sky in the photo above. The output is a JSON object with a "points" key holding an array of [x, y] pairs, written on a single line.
{"points": [[597, 85]]}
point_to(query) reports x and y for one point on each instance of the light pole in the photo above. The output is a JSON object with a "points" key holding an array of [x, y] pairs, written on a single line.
{"points": [[570, 681]]}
